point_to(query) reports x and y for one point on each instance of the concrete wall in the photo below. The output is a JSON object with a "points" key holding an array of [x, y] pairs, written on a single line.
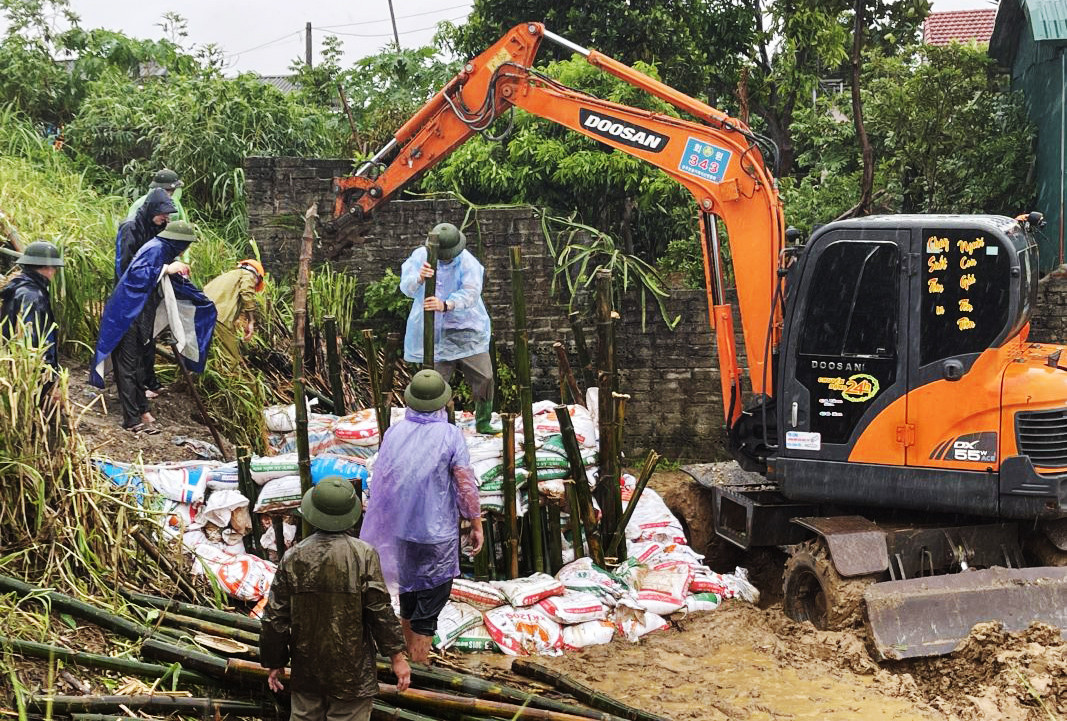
{"points": [[672, 376]]}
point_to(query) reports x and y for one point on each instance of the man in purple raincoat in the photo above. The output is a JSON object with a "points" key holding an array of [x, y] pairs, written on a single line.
{"points": [[422, 484]]}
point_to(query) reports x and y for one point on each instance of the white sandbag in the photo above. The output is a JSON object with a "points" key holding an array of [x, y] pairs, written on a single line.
{"points": [[223, 478], [574, 607], [524, 631], [359, 428], [479, 594], [663, 589], [585, 576], [282, 419], [179, 517], [475, 639], [633, 622], [702, 602], [185, 482], [652, 517], [267, 468], [243, 576], [279, 494], [454, 619], [266, 541], [219, 508], [528, 591], [546, 424], [590, 633], [727, 585]]}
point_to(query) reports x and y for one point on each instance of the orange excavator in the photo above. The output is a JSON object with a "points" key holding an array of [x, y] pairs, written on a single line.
{"points": [[904, 443]]}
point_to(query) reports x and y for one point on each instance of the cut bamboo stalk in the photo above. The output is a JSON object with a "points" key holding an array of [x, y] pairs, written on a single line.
{"points": [[131, 667], [608, 493], [233, 620], [430, 285], [175, 573], [567, 375], [102, 717], [387, 712], [620, 400], [462, 683], [277, 524], [100, 704], [215, 629], [451, 703], [581, 349], [333, 361], [522, 371], [300, 297], [249, 490], [188, 657], [392, 350], [574, 510], [370, 350], [555, 539], [581, 486], [564, 683], [646, 473], [511, 520]]}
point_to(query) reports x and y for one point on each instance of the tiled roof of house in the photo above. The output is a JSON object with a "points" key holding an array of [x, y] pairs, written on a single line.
{"points": [[285, 83], [959, 25]]}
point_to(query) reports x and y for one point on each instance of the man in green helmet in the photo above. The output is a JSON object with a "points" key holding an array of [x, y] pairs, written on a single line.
{"points": [[329, 614], [169, 181], [26, 303], [461, 324]]}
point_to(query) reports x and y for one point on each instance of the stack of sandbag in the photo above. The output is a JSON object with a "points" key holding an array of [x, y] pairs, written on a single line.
{"points": [[355, 434]]}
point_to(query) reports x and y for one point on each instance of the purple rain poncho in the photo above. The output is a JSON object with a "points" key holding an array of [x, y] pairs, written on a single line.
{"points": [[421, 485]]}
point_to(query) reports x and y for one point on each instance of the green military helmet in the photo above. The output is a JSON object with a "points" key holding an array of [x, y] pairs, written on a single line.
{"points": [[332, 505], [41, 253], [427, 392], [179, 230], [166, 179], [450, 240]]}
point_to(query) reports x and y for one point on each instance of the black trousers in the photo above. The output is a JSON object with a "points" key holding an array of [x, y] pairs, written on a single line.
{"points": [[129, 363]]}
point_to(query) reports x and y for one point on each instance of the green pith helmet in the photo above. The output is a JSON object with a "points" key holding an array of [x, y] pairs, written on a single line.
{"points": [[332, 505], [427, 392], [450, 240], [179, 230], [41, 253], [166, 179]]}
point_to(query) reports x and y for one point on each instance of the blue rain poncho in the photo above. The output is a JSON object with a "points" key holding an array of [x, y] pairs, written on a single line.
{"points": [[421, 484], [131, 294], [459, 333]]}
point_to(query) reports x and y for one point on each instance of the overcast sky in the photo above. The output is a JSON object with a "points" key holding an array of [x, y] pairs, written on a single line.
{"points": [[265, 36]]}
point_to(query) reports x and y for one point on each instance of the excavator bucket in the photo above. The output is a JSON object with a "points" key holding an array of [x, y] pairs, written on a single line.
{"points": [[930, 616]]}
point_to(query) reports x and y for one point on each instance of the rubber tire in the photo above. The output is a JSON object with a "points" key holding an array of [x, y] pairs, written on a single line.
{"points": [[1040, 551], [813, 590]]}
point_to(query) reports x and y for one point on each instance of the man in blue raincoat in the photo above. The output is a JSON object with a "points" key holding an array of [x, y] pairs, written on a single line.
{"points": [[130, 320], [423, 483], [461, 323], [143, 224]]}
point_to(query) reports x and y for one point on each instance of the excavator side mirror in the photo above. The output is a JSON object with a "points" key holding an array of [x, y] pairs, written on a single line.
{"points": [[793, 236], [1036, 219]]}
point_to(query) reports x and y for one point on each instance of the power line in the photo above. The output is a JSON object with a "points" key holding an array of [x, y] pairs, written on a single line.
{"points": [[398, 17], [269, 42], [387, 35]]}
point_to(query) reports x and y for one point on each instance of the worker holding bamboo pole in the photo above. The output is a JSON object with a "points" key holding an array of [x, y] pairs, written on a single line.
{"points": [[329, 614], [423, 484], [461, 323]]}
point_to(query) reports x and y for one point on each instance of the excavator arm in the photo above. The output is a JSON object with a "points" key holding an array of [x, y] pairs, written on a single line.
{"points": [[716, 159]]}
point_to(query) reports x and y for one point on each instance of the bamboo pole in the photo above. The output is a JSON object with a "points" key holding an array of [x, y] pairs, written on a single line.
{"points": [[511, 520], [215, 629], [430, 285], [392, 349], [555, 539], [646, 473], [608, 493], [581, 349], [233, 620], [100, 704], [248, 489], [574, 510], [620, 400], [387, 712], [370, 350], [466, 684], [175, 573], [300, 298], [595, 699], [451, 703], [581, 486], [131, 667], [193, 658], [566, 375], [57, 601], [333, 361], [522, 371], [179, 360], [277, 524]]}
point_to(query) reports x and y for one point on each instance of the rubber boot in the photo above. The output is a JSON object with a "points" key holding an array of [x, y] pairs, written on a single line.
{"points": [[483, 418]]}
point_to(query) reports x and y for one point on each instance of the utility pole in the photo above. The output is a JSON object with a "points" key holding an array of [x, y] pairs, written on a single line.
{"points": [[307, 44], [392, 16]]}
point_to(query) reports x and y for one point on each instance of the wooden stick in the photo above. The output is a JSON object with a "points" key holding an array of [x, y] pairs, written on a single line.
{"points": [[333, 360], [430, 285], [583, 693], [651, 461], [567, 375], [370, 350], [180, 361], [511, 520], [522, 371], [581, 486], [300, 298], [176, 574]]}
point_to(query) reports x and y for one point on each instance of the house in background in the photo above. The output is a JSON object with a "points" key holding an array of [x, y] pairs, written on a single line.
{"points": [[959, 26], [1028, 41]]}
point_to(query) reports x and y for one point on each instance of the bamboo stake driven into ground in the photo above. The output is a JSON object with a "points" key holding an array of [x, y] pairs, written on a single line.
{"points": [[300, 302], [333, 361], [430, 285], [581, 486], [511, 520]]}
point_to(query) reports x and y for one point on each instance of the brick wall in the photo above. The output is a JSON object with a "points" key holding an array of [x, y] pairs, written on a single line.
{"points": [[1049, 324], [672, 376]]}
